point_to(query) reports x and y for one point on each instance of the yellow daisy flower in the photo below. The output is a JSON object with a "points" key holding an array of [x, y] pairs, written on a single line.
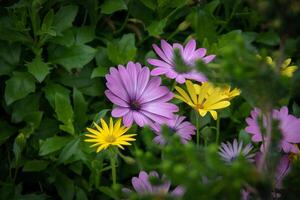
{"points": [[106, 135], [285, 68], [231, 93], [203, 98]]}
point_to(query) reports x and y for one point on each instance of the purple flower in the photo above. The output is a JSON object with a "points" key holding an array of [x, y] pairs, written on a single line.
{"points": [[282, 170], [230, 151], [189, 54], [143, 186], [289, 126], [137, 96], [178, 126]]}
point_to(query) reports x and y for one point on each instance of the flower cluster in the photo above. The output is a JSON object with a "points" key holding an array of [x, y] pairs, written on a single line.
{"points": [[140, 98]]}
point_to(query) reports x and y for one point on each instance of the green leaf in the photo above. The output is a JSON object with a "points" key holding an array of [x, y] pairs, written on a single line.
{"points": [[6, 131], [18, 146], [18, 87], [64, 186], [99, 72], [122, 51], [38, 68], [80, 109], [109, 192], [35, 165], [53, 144], [268, 38], [156, 28], [52, 89], [64, 18], [24, 106], [149, 3], [84, 34], [111, 6], [64, 112], [70, 149], [72, 57], [47, 27]]}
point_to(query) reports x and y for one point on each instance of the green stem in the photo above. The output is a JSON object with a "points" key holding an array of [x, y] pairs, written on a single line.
{"points": [[218, 130], [197, 128], [113, 168], [173, 85]]}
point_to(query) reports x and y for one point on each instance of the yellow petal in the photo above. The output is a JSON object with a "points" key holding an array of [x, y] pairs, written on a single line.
{"points": [[100, 148], [104, 126], [202, 112], [269, 60], [98, 127], [289, 71], [219, 105], [183, 94], [286, 63], [215, 97], [214, 114], [93, 131], [191, 91], [111, 125]]}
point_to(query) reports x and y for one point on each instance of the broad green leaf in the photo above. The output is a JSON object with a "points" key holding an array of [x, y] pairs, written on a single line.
{"points": [[102, 58], [38, 68], [80, 109], [35, 165], [67, 39], [52, 89], [64, 18], [111, 6], [109, 192], [99, 72], [64, 112], [268, 38], [100, 115], [18, 87], [70, 149], [211, 6], [24, 106], [72, 57], [84, 34], [53, 144], [6, 131], [10, 53], [64, 186], [156, 28], [9, 33], [122, 51]]}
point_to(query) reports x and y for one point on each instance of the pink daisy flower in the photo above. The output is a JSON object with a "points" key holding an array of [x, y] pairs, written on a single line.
{"points": [[289, 126], [178, 126], [189, 55], [143, 187], [138, 97]]}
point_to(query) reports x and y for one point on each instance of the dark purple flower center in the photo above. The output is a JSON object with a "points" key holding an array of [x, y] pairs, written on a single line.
{"points": [[134, 105]]}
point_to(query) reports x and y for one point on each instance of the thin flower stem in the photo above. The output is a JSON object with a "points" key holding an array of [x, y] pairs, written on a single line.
{"points": [[197, 128], [173, 85], [218, 130], [113, 167]]}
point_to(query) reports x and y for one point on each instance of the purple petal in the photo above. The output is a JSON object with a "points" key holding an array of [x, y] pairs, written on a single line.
{"points": [[161, 54], [158, 63], [159, 71], [189, 48], [209, 58], [167, 49], [119, 111], [116, 100]]}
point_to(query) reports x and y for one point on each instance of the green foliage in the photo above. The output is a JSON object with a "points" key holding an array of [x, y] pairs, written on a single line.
{"points": [[54, 56]]}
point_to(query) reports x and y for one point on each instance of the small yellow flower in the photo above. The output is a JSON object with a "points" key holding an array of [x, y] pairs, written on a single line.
{"points": [[109, 135], [285, 68], [203, 98], [231, 93]]}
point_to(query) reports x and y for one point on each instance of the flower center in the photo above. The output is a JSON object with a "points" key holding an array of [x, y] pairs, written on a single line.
{"points": [[199, 106], [135, 105], [110, 139]]}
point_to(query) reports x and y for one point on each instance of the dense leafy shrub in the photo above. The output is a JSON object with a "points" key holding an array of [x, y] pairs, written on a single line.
{"points": [[54, 56]]}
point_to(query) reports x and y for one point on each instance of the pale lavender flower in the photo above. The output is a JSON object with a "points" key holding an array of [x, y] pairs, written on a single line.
{"points": [[190, 55], [143, 187], [178, 126], [289, 127], [138, 97], [282, 170], [230, 151]]}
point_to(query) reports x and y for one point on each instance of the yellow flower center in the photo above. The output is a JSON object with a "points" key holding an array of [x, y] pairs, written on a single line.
{"points": [[110, 139], [199, 106]]}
